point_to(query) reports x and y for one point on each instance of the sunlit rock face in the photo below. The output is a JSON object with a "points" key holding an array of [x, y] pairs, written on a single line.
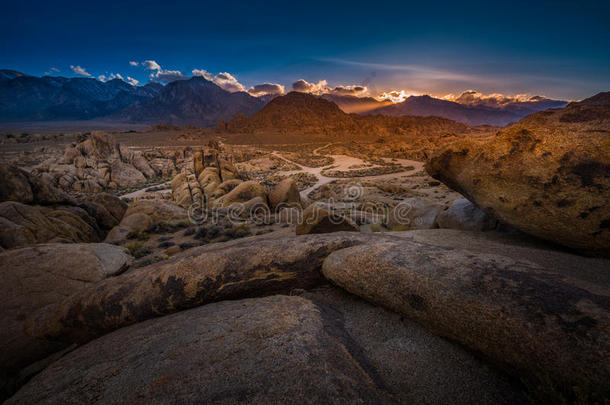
{"points": [[548, 175]]}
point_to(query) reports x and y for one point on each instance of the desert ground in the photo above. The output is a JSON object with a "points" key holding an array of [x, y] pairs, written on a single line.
{"points": [[180, 264]]}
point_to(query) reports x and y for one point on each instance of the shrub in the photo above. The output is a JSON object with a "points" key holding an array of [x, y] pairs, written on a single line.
{"points": [[190, 231], [375, 228], [140, 235], [137, 249], [239, 231], [166, 244]]}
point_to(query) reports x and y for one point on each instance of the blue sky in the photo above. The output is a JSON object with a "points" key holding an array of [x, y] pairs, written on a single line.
{"points": [[558, 49]]}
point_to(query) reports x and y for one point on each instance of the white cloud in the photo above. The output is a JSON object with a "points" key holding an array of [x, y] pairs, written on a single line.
{"points": [[473, 97], [151, 65], [266, 89], [52, 70], [167, 76], [396, 96], [351, 90], [224, 80], [132, 81], [322, 87], [161, 75], [133, 63], [111, 76], [203, 73], [303, 86], [79, 70]]}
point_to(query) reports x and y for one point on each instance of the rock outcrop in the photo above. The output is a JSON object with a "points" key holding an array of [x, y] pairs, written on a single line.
{"points": [[143, 214], [285, 193], [527, 308], [196, 277], [268, 350], [466, 216], [413, 213], [548, 175], [25, 225], [241, 193], [36, 276], [316, 219]]}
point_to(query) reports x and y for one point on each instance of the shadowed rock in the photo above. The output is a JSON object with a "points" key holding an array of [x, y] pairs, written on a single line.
{"points": [[319, 220], [276, 349], [523, 307], [36, 276], [254, 267]]}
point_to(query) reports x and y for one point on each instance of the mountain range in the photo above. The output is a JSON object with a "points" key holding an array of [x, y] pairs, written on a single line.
{"points": [[477, 114], [305, 115], [198, 101]]}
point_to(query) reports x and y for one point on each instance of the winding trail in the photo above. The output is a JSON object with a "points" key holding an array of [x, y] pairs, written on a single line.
{"points": [[343, 163]]}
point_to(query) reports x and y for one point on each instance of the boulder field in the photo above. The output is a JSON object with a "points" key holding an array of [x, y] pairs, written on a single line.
{"points": [[524, 308]]}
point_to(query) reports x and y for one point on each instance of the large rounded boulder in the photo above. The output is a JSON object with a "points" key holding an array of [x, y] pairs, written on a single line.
{"points": [[548, 175]]}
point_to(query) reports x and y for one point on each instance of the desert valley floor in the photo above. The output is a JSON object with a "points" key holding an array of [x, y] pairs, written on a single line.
{"points": [[433, 263]]}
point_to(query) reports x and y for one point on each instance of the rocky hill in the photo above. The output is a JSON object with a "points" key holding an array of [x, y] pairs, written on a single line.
{"points": [[309, 117], [354, 104]]}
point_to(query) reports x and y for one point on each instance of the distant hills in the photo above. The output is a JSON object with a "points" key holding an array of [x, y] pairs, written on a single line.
{"points": [[197, 101], [309, 116], [29, 98], [467, 114]]}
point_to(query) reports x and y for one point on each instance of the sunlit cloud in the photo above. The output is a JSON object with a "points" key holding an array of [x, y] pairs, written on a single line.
{"points": [[396, 96], [322, 87], [132, 81], [224, 80], [266, 89], [133, 63], [304, 86], [497, 100], [79, 70], [352, 90]]}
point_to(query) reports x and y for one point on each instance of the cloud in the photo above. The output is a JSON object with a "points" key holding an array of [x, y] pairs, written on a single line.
{"points": [[151, 65], [79, 70], [353, 90], [132, 81], [304, 86], [111, 76], [322, 87], [396, 96], [161, 75], [266, 89], [496, 100], [52, 70], [133, 63], [167, 76], [224, 80]]}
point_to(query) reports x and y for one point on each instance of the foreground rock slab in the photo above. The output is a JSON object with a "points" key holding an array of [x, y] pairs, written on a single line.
{"points": [[416, 367], [36, 276], [274, 350], [522, 307], [548, 175], [250, 267]]}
